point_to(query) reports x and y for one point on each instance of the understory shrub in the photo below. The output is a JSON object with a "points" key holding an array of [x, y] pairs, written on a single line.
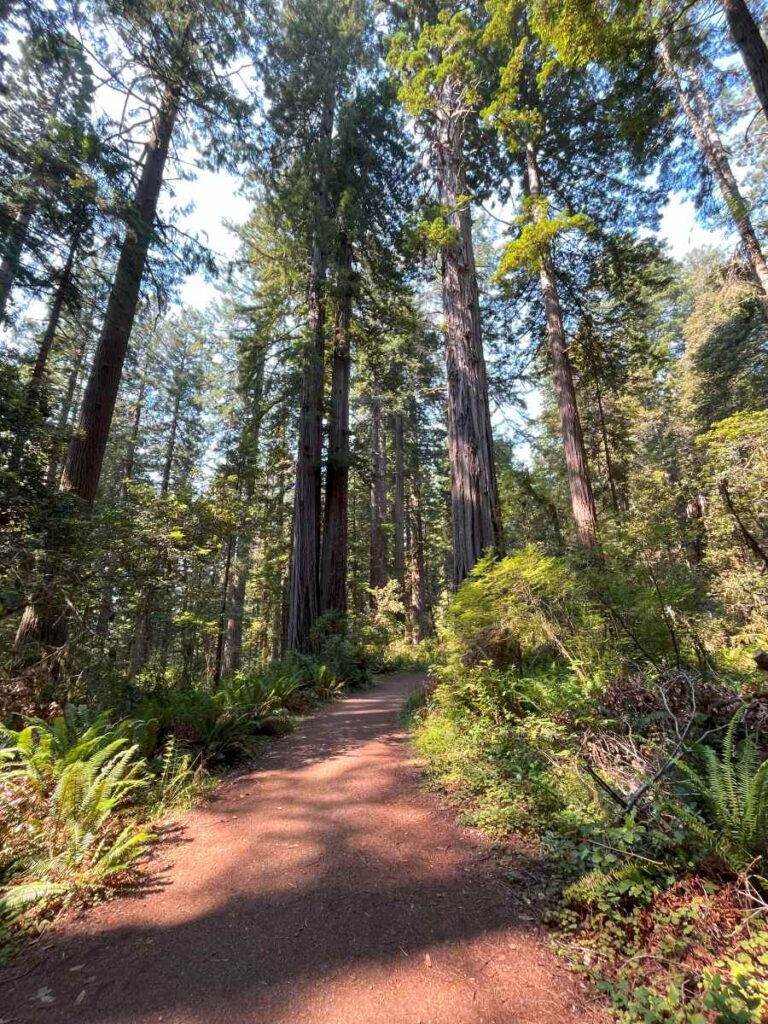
{"points": [[644, 785]]}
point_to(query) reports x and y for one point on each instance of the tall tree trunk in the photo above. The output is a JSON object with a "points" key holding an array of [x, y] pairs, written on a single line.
{"points": [[82, 469], [304, 586], [606, 447], [14, 245], [398, 500], [335, 554], [237, 581], [746, 35], [35, 399], [418, 602], [60, 296], [170, 448], [222, 630], [378, 566], [704, 131], [577, 470], [133, 441], [238, 577], [474, 494], [241, 562], [67, 408]]}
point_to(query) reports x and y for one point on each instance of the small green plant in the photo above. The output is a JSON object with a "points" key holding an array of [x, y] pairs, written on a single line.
{"points": [[730, 789], [178, 777]]}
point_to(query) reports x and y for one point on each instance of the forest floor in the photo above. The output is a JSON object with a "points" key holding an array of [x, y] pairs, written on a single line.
{"points": [[324, 887]]}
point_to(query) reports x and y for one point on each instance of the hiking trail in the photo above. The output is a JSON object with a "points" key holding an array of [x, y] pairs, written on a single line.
{"points": [[323, 887]]}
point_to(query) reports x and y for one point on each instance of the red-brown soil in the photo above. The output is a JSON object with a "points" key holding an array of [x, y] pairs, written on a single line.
{"points": [[326, 887]]}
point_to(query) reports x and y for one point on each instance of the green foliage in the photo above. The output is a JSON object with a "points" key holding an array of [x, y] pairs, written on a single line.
{"points": [[441, 54], [731, 788], [73, 781], [530, 609], [537, 233], [533, 691]]}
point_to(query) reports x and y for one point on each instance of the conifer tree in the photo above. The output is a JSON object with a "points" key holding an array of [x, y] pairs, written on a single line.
{"points": [[313, 55], [433, 54], [181, 50]]}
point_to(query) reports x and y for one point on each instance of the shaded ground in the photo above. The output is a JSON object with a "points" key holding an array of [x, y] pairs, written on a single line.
{"points": [[323, 888]]}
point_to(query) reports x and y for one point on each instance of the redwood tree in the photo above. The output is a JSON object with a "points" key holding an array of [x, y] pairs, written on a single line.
{"points": [[434, 60]]}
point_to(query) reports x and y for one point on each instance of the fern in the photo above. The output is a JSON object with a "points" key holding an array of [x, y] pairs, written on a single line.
{"points": [[597, 885], [175, 776], [19, 897], [731, 789], [117, 856]]}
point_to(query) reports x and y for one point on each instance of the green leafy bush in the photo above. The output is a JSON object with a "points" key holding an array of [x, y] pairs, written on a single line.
{"points": [[527, 611]]}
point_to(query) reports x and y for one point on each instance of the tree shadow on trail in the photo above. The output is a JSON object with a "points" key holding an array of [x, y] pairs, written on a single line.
{"points": [[331, 869]]}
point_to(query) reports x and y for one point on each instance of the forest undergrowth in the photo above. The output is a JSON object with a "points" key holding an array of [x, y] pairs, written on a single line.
{"points": [[630, 749]]}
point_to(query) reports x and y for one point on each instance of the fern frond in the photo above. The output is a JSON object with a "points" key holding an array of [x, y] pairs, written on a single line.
{"points": [[19, 897]]}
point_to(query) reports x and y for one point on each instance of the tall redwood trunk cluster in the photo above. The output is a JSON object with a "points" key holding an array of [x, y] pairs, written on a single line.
{"points": [[577, 470], [304, 584], [398, 500], [82, 469], [474, 494], [378, 549], [333, 572]]}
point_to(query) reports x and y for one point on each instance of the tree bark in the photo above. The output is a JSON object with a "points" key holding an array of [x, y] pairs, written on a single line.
{"points": [[15, 242], [138, 410], [304, 586], [419, 609], [577, 470], [42, 631], [222, 630], [237, 580], [746, 35], [60, 296], [474, 494], [67, 408], [82, 469], [335, 553], [398, 500], [378, 549], [704, 131]]}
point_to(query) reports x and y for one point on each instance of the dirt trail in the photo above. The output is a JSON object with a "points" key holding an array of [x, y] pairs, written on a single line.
{"points": [[324, 888]]}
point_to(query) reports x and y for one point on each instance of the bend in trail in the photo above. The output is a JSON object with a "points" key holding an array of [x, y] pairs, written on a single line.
{"points": [[323, 888]]}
